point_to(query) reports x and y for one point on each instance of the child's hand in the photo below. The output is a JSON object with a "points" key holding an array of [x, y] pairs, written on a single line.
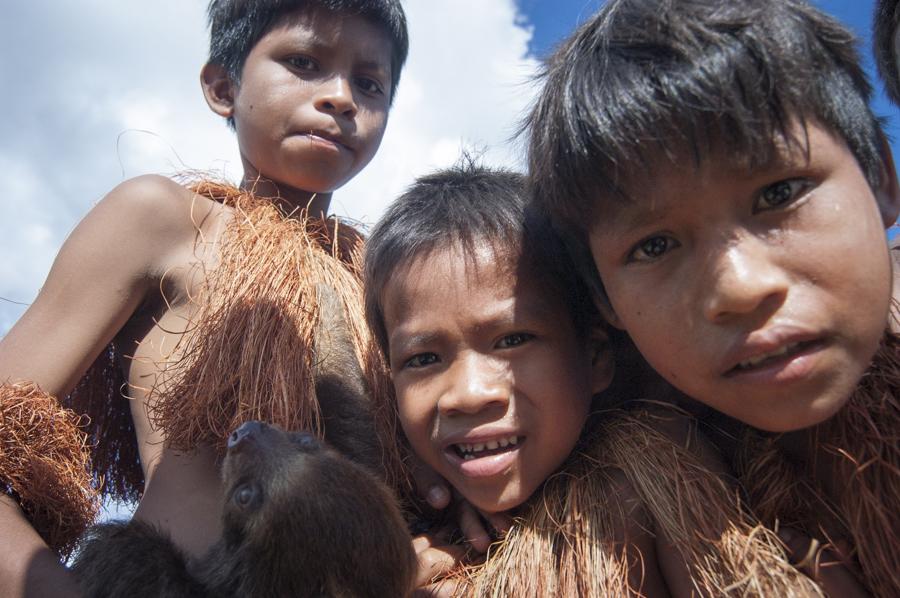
{"points": [[826, 565], [437, 558], [431, 487], [473, 524]]}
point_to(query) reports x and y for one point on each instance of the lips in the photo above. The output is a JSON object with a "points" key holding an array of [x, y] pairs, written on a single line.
{"points": [[484, 454], [330, 137], [771, 349], [480, 449]]}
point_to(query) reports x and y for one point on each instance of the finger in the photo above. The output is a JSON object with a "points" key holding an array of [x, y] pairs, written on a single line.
{"points": [[472, 527], [436, 562], [501, 522], [821, 564], [430, 486]]}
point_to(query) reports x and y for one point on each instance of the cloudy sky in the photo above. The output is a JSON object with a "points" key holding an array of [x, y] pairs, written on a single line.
{"points": [[98, 91]]}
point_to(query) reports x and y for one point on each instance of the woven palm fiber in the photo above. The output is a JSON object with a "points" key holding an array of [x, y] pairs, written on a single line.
{"points": [[565, 543], [249, 352], [44, 463], [861, 445]]}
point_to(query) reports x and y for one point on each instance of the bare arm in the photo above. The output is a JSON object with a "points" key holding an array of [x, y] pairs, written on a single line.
{"points": [[103, 272]]}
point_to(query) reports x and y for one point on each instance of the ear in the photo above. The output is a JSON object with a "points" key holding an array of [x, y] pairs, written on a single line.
{"points": [[606, 310], [218, 89], [888, 192], [603, 363]]}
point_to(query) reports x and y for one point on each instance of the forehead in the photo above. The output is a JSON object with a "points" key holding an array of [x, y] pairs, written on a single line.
{"points": [[650, 193], [334, 31], [452, 278]]}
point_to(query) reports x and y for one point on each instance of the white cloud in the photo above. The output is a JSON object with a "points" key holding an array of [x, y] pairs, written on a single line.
{"points": [[98, 91]]}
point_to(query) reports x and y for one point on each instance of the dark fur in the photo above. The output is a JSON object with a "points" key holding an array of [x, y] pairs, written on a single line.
{"points": [[315, 524]]}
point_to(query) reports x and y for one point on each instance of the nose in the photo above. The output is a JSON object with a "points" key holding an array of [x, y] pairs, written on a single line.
{"points": [[477, 382], [336, 97], [245, 431], [744, 278]]}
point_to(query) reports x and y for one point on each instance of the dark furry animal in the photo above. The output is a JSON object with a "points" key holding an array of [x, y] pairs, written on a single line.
{"points": [[299, 519]]}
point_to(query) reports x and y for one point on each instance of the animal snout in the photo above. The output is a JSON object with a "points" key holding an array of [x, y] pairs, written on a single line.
{"points": [[245, 431]]}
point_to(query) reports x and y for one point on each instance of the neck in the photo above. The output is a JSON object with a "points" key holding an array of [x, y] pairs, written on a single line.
{"points": [[316, 204]]}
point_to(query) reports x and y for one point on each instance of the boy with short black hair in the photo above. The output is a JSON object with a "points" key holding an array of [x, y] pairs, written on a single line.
{"points": [[203, 302], [496, 359], [726, 186]]}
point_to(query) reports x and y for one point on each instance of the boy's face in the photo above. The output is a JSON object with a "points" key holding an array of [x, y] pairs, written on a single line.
{"points": [[493, 384], [312, 104], [763, 294]]}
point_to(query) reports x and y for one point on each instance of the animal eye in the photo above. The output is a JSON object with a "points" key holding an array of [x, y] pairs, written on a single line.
{"points": [[514, 340], [652, 248], [421, 360], [369, 85], [305, 441], [246, 495], [780, 194]]}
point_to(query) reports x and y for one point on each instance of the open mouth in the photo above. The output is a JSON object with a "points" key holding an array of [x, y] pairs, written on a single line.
{"points": [[784, 353], [485, 449]]}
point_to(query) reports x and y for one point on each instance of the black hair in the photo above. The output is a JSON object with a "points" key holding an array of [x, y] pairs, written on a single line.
{"points": [[462, 206], [235, 26], [646, 80], [887, 17]]}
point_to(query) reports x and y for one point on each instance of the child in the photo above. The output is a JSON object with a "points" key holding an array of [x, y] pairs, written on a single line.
{"points": [[717, 165], [495, 359], [207, 293]]}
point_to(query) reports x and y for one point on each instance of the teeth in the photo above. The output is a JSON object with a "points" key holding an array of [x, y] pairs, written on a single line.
{"points": [[468, 450], [764, 356]]}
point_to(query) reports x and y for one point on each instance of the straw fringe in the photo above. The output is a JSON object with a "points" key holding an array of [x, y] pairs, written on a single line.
{"points": [[249, 352], [115, 460], [864, 441], [44, 463], [566, 544]]}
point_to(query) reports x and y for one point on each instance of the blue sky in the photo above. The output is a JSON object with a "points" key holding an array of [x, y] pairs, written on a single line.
{"points": [[554, 20]]}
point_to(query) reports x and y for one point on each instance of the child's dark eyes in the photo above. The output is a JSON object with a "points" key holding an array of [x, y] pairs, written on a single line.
{"points": [[514, 340], [780, 194], [302, 63], [370, 86], [421, 360], [652, 248]]}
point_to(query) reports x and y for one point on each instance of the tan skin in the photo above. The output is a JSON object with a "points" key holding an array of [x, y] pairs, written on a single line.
{"points": [[743, 287], [310, 112], [480, 352]]}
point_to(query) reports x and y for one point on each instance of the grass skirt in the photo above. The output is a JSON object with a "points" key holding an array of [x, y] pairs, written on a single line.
{"points": [[44, 464], [863, 440], [565, 543]]}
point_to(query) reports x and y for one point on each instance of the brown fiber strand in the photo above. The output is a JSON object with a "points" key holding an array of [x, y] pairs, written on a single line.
{"points": [[115, 461], [565, 542], [44, 463], [249, 352], [863, 442]]}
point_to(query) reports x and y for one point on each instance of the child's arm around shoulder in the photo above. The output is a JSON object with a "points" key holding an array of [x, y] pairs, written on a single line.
{"points": [[104, 271]]}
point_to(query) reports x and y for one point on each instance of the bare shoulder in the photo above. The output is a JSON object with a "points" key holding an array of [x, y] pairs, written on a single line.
{"points": [[111, 263], [156, 208], [683, 430]]}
